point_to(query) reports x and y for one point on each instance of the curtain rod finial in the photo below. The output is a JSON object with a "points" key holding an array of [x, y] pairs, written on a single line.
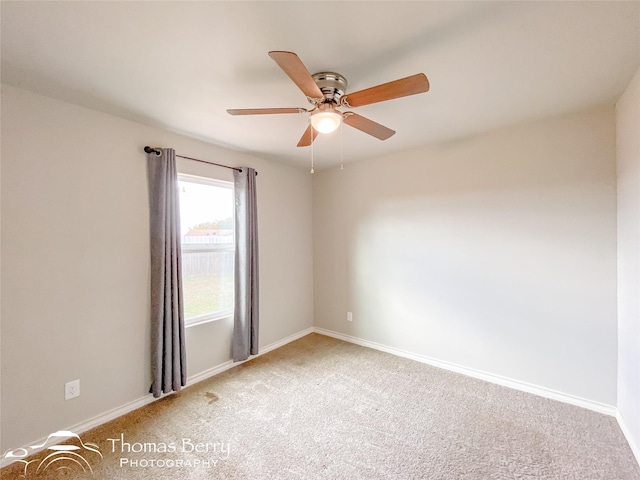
{"points": [[148, 149]]}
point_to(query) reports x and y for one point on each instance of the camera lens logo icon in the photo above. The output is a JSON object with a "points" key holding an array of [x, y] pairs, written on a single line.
{"points": [[75, 455]]}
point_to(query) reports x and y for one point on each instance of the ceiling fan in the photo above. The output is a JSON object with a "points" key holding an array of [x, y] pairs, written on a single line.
{"points": [[326, 91]]}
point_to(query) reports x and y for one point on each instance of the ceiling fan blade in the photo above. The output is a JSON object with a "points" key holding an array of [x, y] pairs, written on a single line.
{"points": [[387, 91], [264, 111], [293, 66], [306, 138], [367, 126]]}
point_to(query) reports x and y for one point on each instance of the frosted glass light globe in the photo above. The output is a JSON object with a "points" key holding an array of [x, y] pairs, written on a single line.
{"points": [[326, 121]]}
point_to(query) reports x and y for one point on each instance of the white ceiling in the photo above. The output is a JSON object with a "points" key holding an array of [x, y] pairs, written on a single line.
{"points": [[180, 65]]}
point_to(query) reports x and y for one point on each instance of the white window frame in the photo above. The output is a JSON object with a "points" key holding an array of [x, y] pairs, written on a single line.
{"points": [[220, 315]]}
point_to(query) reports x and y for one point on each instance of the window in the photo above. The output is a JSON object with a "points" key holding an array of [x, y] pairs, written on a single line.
{"points": [[206, 220]]}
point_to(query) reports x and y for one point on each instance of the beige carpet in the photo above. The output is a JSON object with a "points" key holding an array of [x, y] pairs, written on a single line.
{"points": [[320, 408]]}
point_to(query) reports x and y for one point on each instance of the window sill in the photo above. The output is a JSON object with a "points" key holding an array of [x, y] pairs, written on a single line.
{"points": [[207, 319]]}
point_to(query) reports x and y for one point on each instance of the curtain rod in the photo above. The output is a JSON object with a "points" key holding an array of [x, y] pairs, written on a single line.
{"points": [[158, 152]]}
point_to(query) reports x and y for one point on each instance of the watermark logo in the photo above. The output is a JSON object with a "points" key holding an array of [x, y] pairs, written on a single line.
{"points": [[81, 458], [187, 453], [75, 455]]}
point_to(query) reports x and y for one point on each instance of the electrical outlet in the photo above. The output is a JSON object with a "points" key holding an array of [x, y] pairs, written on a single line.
{"points": [[72, 389], [349, 317]]}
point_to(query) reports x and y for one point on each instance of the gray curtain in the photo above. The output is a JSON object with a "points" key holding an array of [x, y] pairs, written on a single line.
{"points": [[245, 328], [168, 359]]}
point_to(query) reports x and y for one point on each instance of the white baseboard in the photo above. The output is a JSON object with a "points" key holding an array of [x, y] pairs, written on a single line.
{"points": [[284, 341], [147, 399], [635, 447], [497, 379], [198, 377], [83, 426], [488, 377]]}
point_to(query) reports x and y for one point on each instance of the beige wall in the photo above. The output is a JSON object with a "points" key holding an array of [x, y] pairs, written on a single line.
{"points": [[628, 169], [496, 253], [75, 261]]}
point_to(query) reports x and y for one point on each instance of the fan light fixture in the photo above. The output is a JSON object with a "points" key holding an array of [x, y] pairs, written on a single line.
{"points": [[327, 91], [326, 120]]}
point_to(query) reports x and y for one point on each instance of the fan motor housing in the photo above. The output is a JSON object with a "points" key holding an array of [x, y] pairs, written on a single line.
{"points": [[332, 85]]}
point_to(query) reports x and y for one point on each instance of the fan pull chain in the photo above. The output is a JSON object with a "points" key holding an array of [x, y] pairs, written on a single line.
{"points": [[341, 155], [311, 135]]}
